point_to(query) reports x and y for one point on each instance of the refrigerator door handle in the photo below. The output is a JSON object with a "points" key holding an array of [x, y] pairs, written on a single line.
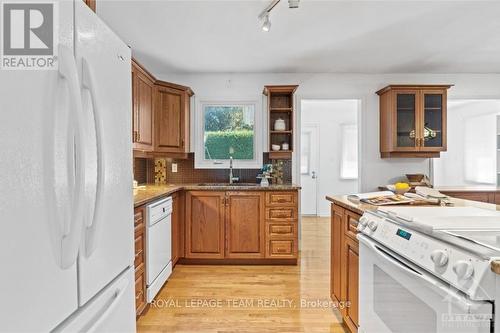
{"points": [[92, 223], [108, 307], [72, 227]]}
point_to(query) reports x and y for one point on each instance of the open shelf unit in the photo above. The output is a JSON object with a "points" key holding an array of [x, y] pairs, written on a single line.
{"points": [[280, 105]]}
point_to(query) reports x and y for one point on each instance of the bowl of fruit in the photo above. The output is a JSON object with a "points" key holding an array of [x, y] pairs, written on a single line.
{"points": [[399, 188]]}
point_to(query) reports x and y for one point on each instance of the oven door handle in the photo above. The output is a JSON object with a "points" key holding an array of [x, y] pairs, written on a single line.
{"points": [[446, 291]]}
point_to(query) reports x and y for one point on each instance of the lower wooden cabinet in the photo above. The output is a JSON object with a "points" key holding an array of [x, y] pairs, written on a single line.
{"points": [[178, 229], [336, 252], [140, 260], [244, 212], [349, 282], [344, 266], [205, 224], [241, 225]]}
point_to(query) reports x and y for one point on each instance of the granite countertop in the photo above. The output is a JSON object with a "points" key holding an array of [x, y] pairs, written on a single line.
{"points": [[360, 208], [482, 188], [149, 192]]}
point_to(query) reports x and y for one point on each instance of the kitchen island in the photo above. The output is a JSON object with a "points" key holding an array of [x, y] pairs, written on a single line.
{"points": [[344, 267]]}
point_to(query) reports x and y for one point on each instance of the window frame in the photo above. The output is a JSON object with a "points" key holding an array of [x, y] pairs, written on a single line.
{"points": [[199, 145]]}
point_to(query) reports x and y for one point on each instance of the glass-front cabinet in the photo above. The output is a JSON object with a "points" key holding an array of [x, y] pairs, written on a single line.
{"points": [[413, 120]]}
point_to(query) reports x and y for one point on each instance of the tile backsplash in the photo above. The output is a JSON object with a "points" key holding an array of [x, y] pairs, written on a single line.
{"points": [[162, 172]]}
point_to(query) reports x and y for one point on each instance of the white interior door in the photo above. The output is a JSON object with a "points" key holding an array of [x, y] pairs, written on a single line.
{"points": [[108, 239], [309, 164], [39, 278]]}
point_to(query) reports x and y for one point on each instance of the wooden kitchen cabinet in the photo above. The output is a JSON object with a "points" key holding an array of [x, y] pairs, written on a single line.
{"points": [[281, 224], [241, 225], [336, 252], [344, 266], [160, 115], [205, 228], [140, 259], [245, 225], [142, 105], [177, 226], [413, 120], [172, 114], [350, 282]]}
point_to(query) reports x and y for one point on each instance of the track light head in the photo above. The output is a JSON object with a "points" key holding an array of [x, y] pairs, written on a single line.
{"points": [[266, 25], [293, 3]]}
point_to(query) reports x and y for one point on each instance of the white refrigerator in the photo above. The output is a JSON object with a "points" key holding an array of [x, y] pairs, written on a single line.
{"points": [[66, 202]]}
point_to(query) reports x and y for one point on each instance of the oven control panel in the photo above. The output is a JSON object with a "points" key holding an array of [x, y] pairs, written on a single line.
{"points": [[461, 269]]}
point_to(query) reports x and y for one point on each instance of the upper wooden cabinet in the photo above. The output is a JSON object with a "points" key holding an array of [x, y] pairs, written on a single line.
{"points": [[172, 111], [161, 115], [280, 105], [142, 104], [413, 120]]}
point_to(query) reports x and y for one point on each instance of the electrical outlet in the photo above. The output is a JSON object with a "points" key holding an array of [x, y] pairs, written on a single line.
{"points": [[174, 167]]}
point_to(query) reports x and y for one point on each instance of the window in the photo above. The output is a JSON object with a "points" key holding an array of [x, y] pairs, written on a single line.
{"points": [[228, 129], [349, 162], [305, 153]]}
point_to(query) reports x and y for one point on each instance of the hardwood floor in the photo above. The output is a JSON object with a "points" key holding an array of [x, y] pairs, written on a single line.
{"points": [[251, 299]]}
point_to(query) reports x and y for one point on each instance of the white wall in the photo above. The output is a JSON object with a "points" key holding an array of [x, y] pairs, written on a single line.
{"points": [[471, 156], [330, 115], [374, 170]]}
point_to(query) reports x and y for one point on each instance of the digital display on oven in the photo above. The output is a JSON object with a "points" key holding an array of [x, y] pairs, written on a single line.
{"points": [[403, 234]]}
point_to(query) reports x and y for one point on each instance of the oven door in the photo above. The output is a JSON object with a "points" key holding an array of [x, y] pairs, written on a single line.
{"points": [[397, 296]]}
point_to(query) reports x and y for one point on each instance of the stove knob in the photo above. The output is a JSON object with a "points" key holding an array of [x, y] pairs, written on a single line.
{"points": [[363, 222], [463, 269], [373, 225], [439, 257]]}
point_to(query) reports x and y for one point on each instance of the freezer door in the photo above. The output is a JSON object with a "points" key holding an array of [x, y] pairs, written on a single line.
{"points": [[112, 310], [39, 276], [104, 61]]}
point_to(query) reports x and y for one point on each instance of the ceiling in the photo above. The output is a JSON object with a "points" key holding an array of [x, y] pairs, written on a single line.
{"points": [[321, 36]]}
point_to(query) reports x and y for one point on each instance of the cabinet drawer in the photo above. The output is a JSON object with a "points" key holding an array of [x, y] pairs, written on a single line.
{"points": [[281, 230], [281, 213], [140, 295], [139, 270], [138, 216], [351, 223], [139, 251], [281, 198], [281, 248]]}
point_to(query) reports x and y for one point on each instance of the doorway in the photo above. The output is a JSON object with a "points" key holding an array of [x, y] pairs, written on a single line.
{"points": [[328, 152]]}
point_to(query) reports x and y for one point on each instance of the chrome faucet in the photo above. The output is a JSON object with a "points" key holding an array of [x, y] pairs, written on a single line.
{"points": [[232, 179]]}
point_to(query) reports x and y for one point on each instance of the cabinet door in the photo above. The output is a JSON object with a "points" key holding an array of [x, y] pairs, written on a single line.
{"points": [[205, 224], [350, 265], [142, 96], [245, 225], [433, 128], [405, 118], [336, 251], [170, 118], [177, 227]]}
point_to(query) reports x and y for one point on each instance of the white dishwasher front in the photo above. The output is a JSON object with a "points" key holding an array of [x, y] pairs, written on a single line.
{"points": [[158, 246]]}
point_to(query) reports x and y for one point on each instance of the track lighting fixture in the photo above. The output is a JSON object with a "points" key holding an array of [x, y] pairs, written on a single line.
{"points": [[266, 25], [293, 3], [264, 15]]}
